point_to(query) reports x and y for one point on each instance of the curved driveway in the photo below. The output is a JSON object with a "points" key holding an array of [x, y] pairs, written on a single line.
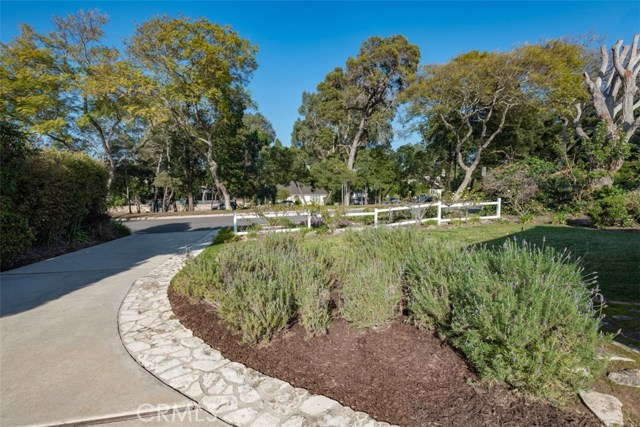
{"points": [[61, 358]]}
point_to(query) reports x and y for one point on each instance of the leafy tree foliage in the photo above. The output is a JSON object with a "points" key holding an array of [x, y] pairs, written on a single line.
{"points": [[199, 71], [353, 107]]}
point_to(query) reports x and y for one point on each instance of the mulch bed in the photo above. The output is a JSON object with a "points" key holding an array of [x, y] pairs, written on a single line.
{"points": [[398, 374]]}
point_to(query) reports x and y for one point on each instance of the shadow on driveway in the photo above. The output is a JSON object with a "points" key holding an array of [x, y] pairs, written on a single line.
{"points": [[28, 287]]}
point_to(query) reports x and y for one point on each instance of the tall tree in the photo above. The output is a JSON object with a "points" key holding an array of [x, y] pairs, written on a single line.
{"points": [[200, 71], [70, 87], [353, 107], [34, 89], [471, 96], [615, 96]]}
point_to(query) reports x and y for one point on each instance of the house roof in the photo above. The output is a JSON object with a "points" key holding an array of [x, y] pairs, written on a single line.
{"points": [[306, 190]]}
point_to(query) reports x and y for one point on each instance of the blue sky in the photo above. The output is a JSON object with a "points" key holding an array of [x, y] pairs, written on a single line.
{"points": [[300, 42]]}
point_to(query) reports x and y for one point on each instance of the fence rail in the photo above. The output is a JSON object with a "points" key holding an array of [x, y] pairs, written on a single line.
{"points": [[417, 209]]}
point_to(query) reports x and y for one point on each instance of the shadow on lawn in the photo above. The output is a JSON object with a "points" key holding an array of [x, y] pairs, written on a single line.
{"points": [[613, 254]]}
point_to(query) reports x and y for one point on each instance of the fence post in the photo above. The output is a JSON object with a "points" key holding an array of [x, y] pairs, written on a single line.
{"points": [[309, 220], [439, 215], [499, 207], [375, 217], [235, 222]]}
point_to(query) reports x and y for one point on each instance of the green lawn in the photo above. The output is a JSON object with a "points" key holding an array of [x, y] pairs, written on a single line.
{"points": [[614, 255]]}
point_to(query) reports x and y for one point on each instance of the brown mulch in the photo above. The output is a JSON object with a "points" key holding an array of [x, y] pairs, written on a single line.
{"points": [[398, 374]]}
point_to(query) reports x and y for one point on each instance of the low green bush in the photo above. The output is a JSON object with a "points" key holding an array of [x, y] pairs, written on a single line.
{"points": [[224, 235], [431, 275], [559, 218], [313, 293], [524, 316], [370, 272], [633, 205], [256, 286], [611, 210], [526, 218]]}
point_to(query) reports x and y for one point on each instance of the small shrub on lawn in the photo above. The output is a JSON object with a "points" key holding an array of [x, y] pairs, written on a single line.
{"points": [[611, 210], [225, 235], [524, 316], [526, 218], [633, 205], [559, 218]]}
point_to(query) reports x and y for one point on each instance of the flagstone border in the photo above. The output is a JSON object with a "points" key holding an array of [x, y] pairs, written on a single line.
{"points": [[234, 393]]}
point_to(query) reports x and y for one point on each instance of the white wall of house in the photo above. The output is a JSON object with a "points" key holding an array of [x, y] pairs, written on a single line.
{"points": [[308, 198]]}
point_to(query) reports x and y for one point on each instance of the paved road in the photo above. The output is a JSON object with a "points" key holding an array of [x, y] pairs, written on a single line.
{"points": [[61, 358]]}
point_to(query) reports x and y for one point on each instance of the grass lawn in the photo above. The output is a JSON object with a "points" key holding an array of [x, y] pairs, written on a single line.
{"points": [[614, 255]]}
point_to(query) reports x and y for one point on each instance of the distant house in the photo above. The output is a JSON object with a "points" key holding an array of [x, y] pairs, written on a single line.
{"points": [[303, 193]]}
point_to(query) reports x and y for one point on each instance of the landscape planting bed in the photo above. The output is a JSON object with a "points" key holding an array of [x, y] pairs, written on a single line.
{"points": [[397, 374]]}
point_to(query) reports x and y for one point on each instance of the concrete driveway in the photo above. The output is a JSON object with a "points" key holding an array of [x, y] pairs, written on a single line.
{"points": [[61, 358]]}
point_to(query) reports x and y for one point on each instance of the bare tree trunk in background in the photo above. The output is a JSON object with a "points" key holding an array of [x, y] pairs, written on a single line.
{"points": [[483, 142], [302, 200], [213, 169], [618, 112]]}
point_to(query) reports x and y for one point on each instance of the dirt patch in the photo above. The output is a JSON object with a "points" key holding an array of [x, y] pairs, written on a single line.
{"points": [[399, 374]]}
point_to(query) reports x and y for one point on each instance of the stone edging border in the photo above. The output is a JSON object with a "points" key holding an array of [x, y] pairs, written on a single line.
{"points": [[228, 390]]}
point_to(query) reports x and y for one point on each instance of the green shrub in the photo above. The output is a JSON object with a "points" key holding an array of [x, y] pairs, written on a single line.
{"points": [[257, 283], [474, 219], [431, 276], [633, 205], [526, 218], [611, 210], [559, 218], [122, 229], [224, 235], [313, 293], [524, 316], [61, 194], [370, 273], [16, 236]]}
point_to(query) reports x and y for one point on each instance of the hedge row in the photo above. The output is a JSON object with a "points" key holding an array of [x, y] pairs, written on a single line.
{"points": [[48, 197]]}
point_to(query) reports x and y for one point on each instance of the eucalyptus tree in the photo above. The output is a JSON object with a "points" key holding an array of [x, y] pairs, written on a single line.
{"points": [[471, 96], [353, 107], [200, 70]]}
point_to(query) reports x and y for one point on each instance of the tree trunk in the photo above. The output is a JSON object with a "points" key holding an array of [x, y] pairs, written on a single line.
{"points": [[468, 174], [302, 200], [213, 169], [618, 112]]}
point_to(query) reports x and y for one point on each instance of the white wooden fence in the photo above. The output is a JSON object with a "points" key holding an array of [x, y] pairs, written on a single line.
{"points": [[417, 211]]}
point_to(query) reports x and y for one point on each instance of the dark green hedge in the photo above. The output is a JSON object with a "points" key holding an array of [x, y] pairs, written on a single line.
{"points": [[48, 197]]}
